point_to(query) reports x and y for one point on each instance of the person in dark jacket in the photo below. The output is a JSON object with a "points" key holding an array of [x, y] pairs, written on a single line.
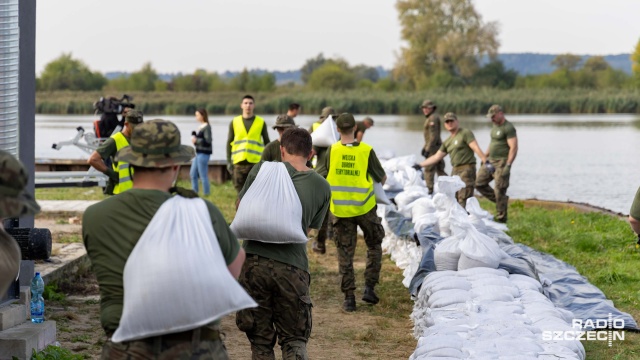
{"points": [[203, 142]]}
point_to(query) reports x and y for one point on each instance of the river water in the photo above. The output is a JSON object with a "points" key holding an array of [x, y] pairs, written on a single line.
{"points": [[583, 158]]}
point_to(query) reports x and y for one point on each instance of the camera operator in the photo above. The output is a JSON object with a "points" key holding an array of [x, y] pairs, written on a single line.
{"points": [[120, 174], [109, 109]]}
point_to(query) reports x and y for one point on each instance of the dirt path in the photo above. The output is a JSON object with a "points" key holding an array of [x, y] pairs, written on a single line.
{"points": [[381, 332]]}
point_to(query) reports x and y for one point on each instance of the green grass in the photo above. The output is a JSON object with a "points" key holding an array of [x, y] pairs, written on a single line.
{"points": [[601, 247]]}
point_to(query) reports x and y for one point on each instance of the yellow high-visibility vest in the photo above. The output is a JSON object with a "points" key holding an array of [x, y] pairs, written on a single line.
{"points": [[247, 146], [351, 187], [123, 169]]}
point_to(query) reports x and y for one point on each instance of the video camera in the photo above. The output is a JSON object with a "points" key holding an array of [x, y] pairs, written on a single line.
{"points": [[109, 109], [113, 105]]}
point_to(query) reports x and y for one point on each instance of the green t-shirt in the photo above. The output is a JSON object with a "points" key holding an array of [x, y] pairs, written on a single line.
{"points": [[271, 152], [374, 168], [457, 147], [111, 229], [314, 193], [108, 148], [499, 148], [635, 207]]}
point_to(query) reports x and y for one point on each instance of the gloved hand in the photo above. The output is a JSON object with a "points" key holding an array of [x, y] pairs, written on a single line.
{"points": [[230, 168], [193, 133], [424, 153], [506, 171], [490, 168], [417, 167], [112, 175]]}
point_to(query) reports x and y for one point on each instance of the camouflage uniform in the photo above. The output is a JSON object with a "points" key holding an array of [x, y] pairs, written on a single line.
{"points": [[346, 238], [14, 202], [467, 174], [499, 194], [240, 173], [284, 308], [209, 346], [432, 142]]}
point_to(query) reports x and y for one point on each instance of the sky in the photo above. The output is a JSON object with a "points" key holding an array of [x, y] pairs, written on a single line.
{"points": [[219, 35]]}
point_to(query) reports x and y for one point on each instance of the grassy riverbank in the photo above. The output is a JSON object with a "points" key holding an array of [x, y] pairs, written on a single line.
{"points": [[461, 101], [600, 246]]}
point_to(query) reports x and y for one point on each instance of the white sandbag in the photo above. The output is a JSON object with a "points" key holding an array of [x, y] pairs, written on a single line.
{"points": [[399, 163], [449, 185], [260, 213], [326, 134], [453, 284], [525, 282], [489, 289], [492, 281], [481, 249], [490, 296], [473, 208], [450, 353], [392, 184], [423, 221], [174, 275], [381, 196], [448, 297], [447, 254], [422, 206], [479, 273]]}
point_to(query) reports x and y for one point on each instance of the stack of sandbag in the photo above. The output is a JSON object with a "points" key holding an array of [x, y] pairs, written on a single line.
{"points": [[484, 313]]}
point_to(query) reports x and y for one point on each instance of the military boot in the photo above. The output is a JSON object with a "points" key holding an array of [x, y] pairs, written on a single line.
{"points": [[319, 247], [370, 295], [349, 304]]}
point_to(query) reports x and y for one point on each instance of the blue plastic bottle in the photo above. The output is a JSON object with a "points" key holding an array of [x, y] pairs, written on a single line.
{"points": [[37, 302]]}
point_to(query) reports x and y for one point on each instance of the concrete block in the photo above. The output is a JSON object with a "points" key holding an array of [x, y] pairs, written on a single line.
{"points": [[20, 340], [11, 315], [25, 299]]}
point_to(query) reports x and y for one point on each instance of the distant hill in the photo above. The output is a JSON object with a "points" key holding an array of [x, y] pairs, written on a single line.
{"points": [[523, 63], [533, 64]]}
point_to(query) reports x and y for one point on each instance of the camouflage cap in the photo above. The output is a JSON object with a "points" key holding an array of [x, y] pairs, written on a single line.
{"points": [[326, 112], [14, 200], [345, 121], [428, 104], [284, 121], [155, 144], [368, 119], [494, 109], [450, 116], [133, 117]]}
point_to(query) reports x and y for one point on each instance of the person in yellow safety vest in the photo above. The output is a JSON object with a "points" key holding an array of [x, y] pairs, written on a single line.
{"points": [[352, 168], [319, 242], [120, 174], [247, 138]]}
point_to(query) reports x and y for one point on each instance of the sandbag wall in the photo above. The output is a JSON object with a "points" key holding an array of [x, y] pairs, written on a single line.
{"points": [[466, 306]]}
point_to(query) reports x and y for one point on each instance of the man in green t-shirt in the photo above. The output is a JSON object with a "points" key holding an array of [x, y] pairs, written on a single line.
{"points": [[277, 275], [460, 145], [362, 126], [351, 167], [432, 142], [108, 149], [319, 243], [112, 227], [502, 151], [634, 215]]}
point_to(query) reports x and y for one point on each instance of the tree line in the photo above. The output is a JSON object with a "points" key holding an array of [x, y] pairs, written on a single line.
{"points": [[446, 41]]}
